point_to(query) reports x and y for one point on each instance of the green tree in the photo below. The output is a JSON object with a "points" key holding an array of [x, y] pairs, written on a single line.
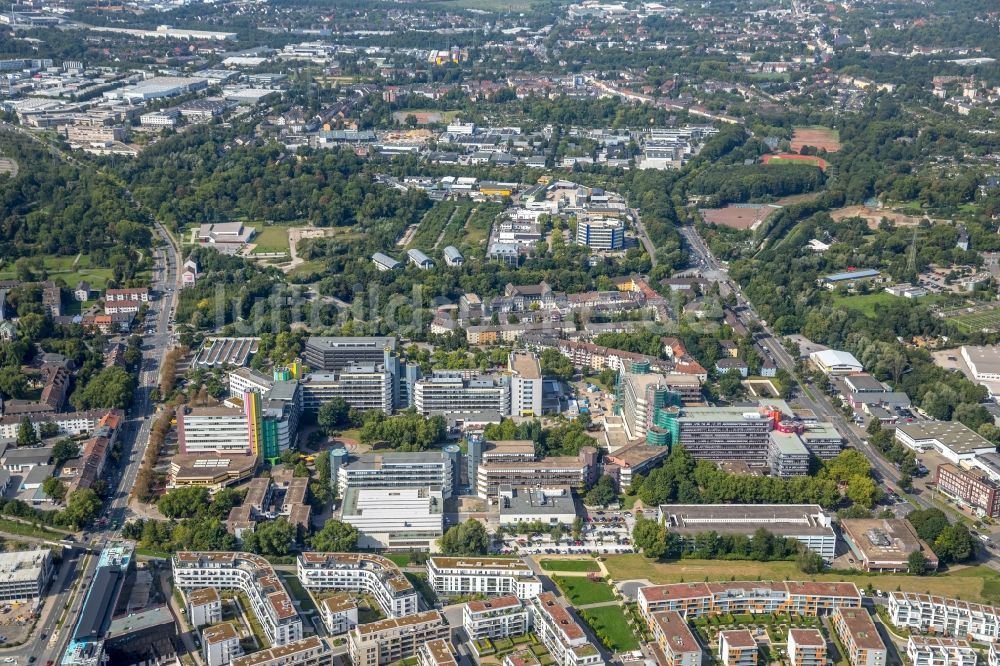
{"points": [[26, 434], [111, 387], [650, 537], [82, 507], [916, 563], [335, 537], [333, 414], [184, 502], [954, 544], [273, 537], [64, 449], [603, 492], [13, 382], [54, 488], [468, 538], [809, 561]]}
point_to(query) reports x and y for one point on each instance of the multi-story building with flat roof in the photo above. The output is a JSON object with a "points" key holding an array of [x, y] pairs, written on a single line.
{"points": [[939, 651], [359, 572], [437, 652], [974, 487], [24, 574], [952, 439], [497, 617], [311, 651], [395, 518], [822, 439], [806, 523], [641, 393], [220, 644], [339, 613], [859, 636], [398, 469], [525, 384], [394, 639], [204, 606], [573, 471], [487, 576], [885, 544], [213, 430], [601, 234], [252, 575], [675, 643], [787, 455], [694, 600], [242, 380], [560, 633], [944, 616], [724, 433], [807, 647], [738, 647], [329, 354], [454, 394], [363, 387]]}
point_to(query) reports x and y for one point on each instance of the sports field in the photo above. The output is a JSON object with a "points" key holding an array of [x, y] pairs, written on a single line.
{"points": [[791, 158], [976, 583], [817, 137], [738, 216]]}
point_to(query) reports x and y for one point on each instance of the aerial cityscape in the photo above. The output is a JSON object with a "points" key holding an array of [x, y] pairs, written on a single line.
{"points": [[500, 333]]}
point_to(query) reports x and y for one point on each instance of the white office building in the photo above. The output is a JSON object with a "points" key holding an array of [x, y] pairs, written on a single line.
{"points": [[525, 384], [24, 574], [373, 574], [398, 469], [363, 387], [213, 430], [487, 576], [601, 234], [454, 394], [397, 519]]}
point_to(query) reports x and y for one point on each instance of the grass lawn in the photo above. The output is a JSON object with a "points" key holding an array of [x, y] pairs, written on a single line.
{"points": [[24, 529], [64, 268], [864, 303], [582, 591], [609, 625], [419, 582], [271, 238], [978, 584], [570, 565], [298, 591]]}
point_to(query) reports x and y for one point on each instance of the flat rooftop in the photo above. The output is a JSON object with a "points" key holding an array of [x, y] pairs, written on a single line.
{"points": [[525, 365], [884, 540], [513, 564], [952, 435], [780, 519], [861, 628], [537, 501]]}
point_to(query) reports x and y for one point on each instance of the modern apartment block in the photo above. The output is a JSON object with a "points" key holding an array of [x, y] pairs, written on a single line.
{"points": [[454, 394], [328, 354], [24, 574], [204, 606], [339, 613], [944, 616], [974, 487], [674, 642], [938, 651], [561, 634], [806, 523], [525, 384], [363, 387], [213, 430], [252, 575], [220, 644], [398, 469], [359, 572], [740, 597], [311, 651], [487, 576], [437, 652], [738, 647], [394, 639], [859, 636], [807, 647], [498, 617]]}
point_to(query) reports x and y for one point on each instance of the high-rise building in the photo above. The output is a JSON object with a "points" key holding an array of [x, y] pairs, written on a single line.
{"points": [[363, 387], [329, 354], [398, 469], [601, 234], [454, 394], [525, 384]]}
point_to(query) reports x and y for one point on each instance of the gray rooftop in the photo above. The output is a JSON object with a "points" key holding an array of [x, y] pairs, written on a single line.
{"points": [[537, 501]]}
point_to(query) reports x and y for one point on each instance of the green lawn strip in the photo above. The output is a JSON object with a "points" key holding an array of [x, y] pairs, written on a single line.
{"points": [[255, 626], [25, 529], [610, 627], [570, 565], [583, 591], [271, 238], [299, 592], [419, 582]]}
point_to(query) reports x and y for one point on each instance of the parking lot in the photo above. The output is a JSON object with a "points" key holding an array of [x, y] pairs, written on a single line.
{"points": [[606, 532]]}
